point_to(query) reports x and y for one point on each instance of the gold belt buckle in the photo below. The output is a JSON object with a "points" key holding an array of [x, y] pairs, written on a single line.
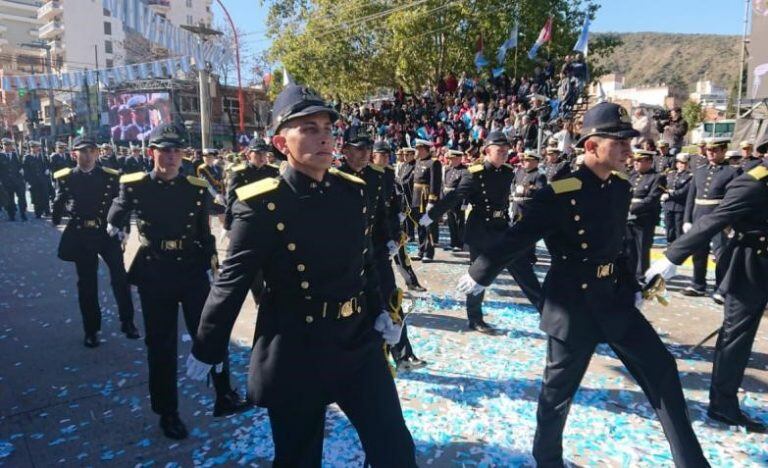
{"points": [[346, 309], [90, 223], [171, 245], [604, 271], [498, 214]]}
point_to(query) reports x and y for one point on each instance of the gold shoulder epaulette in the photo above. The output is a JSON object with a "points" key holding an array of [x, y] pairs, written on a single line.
{"points": [[275, 166], [476, 168], [376, 168], [346, 176], [255, 189], [758, 172], [109, 170], [571, 184], [508, 165], [389, 168], [239, 167], [62, 173], [131, 178], [620, 175], [197, 181]]}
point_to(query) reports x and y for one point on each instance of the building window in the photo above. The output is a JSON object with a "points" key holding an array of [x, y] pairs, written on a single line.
{"points": [[110, 63], [189, 20], [106, 12], [189, 3], [231, 108], [107, 28], [190, 104], [108, 47]]}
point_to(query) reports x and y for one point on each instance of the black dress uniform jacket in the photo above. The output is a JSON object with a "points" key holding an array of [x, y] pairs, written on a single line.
{"points": [[132, 164], [376, 209], [310, 239], [60, 161], [678, 185], [404, 178], [183, 242], [557, 171], [91, 195], [526, 183], [589, 291], [452, 177], [707, 189], [109, 161], [427, 182], [647, 189], [241, 175]]}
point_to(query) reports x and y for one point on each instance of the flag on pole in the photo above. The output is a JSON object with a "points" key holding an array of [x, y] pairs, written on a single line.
{"points": [[509, 44], [544, 36], [582, 45], [480, 60], [32, 82]]}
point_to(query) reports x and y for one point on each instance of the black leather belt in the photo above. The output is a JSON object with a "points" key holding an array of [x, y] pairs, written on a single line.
{"points": [[316, 309], [168, 245]]}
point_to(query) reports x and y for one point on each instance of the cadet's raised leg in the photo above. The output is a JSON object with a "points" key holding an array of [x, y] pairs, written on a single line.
{"points": [[297, 432]]}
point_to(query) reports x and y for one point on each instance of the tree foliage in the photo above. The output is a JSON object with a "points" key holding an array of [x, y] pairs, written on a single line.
{"points": [[352, 48], [693, 113]]}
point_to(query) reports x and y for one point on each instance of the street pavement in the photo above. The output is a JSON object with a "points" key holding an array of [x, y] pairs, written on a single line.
{"points": [[474, 405]]}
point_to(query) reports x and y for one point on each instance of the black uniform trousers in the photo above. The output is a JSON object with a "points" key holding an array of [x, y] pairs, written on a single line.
{"points": [[370, 402], [650, 364], [404, 267], [521, 271], [456, 221], [734, 346], [87, 267], [17, 190], [673, 221], [160, 308], [700, 258], [640, 235], [39, 192], [387, 284]]}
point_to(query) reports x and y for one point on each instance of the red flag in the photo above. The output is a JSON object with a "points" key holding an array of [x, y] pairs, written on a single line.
{"points": [[546, 32]]}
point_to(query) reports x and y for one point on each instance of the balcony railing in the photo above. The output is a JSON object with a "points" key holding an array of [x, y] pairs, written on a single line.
{"points": [[49, 10]]}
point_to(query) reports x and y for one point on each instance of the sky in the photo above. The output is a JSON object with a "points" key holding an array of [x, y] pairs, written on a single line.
{"points": [[672, 16]]}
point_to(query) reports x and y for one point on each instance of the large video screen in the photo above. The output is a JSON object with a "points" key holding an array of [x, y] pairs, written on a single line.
{"points": [[132, 116]]}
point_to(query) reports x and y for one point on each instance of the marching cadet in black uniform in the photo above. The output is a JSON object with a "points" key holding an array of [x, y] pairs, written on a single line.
{"points": [[487, 187], [456, 217], [590, 294], [402, 352], [170, 268], [748, 158], [405, 172], [253, 170], [90, 189], [320, 324], [148, 162], [60, 159], [675, 195], [555, 167], [743, 208], [644, 211], [427, 183], [38, 176], [13, 181], [133, 163], [528, 181], [706, 192], [212, 172], [107, 158]]}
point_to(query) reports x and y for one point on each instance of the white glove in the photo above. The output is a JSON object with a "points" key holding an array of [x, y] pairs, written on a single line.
{"points": [[639, 301], [664, 197], [220, 199], [112, 231], [519, 189], [687, 227], [389, 330], [662, 267], [430, 206], [198, 370], [468, 287], [47, 172], [425, 220], [393, 248], [401, 218]]}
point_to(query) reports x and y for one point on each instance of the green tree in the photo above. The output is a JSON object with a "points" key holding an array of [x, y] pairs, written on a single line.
{"points": [[351, 48], [693, 114]]}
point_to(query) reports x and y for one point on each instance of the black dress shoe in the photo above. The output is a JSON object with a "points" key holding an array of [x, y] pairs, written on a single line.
{"points": [[91, 340], [173, 427], [416, 287], [718, 298], [416, 258], [130, 330], [692, 292], [427, 260], [738, 419], [482, 327], [229, 403], [410, 363]]}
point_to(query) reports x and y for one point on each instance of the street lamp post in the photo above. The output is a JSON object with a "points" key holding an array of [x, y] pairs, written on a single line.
{"points": [[240, 96], [203, 33], [49, 69]]}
